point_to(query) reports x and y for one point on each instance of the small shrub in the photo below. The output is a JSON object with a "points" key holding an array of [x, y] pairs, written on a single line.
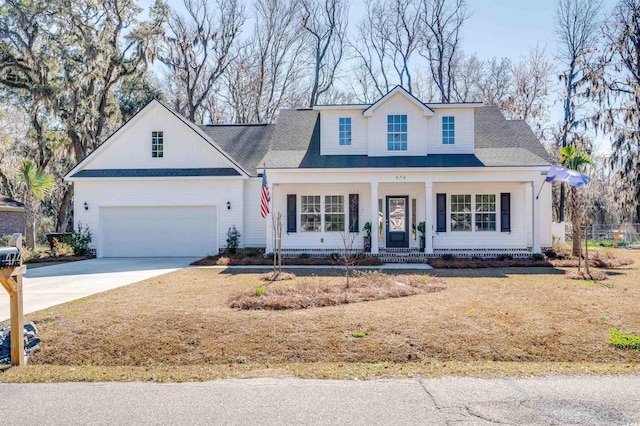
{"points": [[504, 257], [251, 252], [359, 334], [537, 257], [304, 256], [4, 240], [80, 240], [550, 253], [29, 256], [334, 256], [261, 291], [448, 256], [233, 239], [623, 341]]}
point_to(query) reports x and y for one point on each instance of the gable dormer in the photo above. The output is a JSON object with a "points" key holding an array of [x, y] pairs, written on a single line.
{"points": [[398, 124]]}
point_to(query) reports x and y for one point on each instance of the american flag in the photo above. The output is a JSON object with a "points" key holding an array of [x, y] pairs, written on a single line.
{"points": [[264, 199]]}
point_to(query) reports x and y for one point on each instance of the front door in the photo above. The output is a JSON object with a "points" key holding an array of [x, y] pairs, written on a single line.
{"points": [[397, 224]]}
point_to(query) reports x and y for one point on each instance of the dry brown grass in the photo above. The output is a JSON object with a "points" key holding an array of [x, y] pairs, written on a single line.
{"points": [[277, 276], [364, 287], [529, 315]]}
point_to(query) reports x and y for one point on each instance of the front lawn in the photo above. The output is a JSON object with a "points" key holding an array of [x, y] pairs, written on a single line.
{"points": [[179, 326]]}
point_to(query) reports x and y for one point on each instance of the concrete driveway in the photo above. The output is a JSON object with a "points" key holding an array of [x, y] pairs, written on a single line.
{"points": [[51, 285]]}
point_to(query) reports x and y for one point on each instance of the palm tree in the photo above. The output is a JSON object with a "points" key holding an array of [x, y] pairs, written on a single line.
{"points": [[573, 159], [37, 185]]}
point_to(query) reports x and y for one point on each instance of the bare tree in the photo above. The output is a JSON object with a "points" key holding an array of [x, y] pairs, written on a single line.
{"points": [[577, 26], [387, 38], [267, 73], [326, 23], [197, 49], [617, 90], [496, 82], [529, 100], [468, 72], [442, 21]]}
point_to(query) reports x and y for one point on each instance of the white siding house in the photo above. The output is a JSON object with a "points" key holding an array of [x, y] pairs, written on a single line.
{"points": [[161, 186]]}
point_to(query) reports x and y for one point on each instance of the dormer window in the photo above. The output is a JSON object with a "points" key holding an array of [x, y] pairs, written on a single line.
{"points": [[345, 130], [157, 144], [448, 130], [397, 132]]}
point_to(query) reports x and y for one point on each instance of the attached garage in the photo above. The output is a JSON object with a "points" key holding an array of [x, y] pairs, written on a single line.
{"points": [[158, 231]]}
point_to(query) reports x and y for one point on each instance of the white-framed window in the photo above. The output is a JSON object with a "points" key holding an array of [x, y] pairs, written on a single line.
{"points": [[461, 212], [481, 213], [485, 212], [344, 124], [310, 213], [322, 213], [157, 144], [334, 213], [448, 130], [397, 132]]}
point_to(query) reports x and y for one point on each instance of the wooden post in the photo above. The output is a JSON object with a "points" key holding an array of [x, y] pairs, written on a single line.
{"points": [[11, 279]]}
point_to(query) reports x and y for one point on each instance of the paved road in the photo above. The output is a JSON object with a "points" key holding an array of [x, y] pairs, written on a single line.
{"points": [[611, 400], [51, 285]]}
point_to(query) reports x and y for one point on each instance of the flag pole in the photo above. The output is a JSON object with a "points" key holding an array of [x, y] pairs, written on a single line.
{"points": [[541, 186]]}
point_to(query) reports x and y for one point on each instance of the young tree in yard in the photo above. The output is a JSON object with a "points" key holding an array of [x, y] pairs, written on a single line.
{"points": [[197, 49], [325, 22], [36, 184], [578, 27], [618, 92], [572, 158]]}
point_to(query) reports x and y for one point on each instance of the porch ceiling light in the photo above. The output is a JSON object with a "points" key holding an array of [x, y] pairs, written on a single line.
{"points": [[228, 205]]}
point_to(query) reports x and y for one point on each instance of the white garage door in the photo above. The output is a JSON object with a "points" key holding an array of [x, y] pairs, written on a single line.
{"points": [[158, 231]]}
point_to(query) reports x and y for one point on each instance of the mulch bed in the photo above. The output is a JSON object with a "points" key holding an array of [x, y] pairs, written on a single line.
{"points": [[239, 260], [582, 275], [364, 287], [62, 258]]}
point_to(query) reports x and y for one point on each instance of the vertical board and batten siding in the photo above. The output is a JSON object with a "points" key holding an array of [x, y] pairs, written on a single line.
{"points": [[463, 127], [160, 193], [416, 127], [131, 147], [320, 240], [254, 232], [329, 132]]}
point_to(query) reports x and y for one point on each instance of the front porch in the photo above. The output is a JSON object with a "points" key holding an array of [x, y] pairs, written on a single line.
{"points": [[464, 214]]}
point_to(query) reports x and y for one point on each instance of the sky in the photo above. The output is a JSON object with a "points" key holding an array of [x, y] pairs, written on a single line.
{"points": [[500, 28]]}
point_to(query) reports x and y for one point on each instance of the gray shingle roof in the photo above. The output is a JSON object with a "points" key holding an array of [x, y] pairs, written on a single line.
{"points": [[10, 202], [246, 144], [118, 173], [499, 143]]}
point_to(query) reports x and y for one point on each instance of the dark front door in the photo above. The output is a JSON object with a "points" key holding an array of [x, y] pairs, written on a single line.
{"points": [[397, 224]]}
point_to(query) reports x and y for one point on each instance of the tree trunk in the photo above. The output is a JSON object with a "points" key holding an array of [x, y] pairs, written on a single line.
{"points": [[575, 222], [30, 220], [62, 219]]}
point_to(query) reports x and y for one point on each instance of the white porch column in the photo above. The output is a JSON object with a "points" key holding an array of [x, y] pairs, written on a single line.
{"points": [[374, 217], [535, 218], [428, 217], [269, 220]]}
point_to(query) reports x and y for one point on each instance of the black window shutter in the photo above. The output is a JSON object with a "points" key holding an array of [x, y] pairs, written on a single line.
{"points": [[354, 225], [291, 213], [441, 212], [505, 212]]}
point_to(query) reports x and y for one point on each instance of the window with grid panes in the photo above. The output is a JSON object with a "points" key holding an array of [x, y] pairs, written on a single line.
{"points": [[485, 212], [397, 132], [310, 213], [461, 212], [448, 131], [157, 144], [334, 213], [344, 125]]}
